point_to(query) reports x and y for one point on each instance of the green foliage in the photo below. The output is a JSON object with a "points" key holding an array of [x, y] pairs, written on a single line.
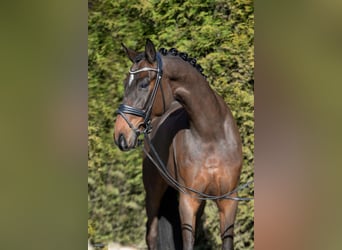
{"points": [[220, 35]]}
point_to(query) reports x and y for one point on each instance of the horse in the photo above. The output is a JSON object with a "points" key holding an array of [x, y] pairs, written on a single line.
{"points": [[191, 141]]}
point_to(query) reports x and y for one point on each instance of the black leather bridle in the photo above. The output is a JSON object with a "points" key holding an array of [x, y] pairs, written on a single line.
{"points": [[146, 114]]}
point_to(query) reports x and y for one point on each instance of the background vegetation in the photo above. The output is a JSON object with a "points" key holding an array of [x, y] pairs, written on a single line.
{"points": [[220, 35]]}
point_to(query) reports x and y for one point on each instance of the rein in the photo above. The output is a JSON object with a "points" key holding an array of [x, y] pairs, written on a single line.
{"points": [[159, 164]]}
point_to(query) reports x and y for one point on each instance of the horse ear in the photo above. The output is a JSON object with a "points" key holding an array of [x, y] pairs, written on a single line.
{"points": [[130, 53], [150, 51]]}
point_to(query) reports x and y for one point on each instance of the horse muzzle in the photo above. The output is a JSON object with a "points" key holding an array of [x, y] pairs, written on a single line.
{"points": [[128, 128], [125, 137], [126, 144], [122, 143]]}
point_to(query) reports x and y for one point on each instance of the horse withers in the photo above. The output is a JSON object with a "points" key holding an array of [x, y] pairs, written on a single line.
{"points": [[191, 139]]}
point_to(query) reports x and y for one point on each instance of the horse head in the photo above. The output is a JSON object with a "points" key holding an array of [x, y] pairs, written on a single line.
{"points": [[143, 97]]}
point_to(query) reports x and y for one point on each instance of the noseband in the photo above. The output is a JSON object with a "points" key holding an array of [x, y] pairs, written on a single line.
{"points": [[146, 114]]}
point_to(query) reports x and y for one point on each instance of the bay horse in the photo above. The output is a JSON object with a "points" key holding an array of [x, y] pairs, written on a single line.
{"points": [[191, 139]]}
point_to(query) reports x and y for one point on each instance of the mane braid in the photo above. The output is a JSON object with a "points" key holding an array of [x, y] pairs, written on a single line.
{"points": [[184, 56]]}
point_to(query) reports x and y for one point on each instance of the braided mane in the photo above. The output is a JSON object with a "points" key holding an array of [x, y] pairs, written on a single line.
{"points": [[184, 56]]}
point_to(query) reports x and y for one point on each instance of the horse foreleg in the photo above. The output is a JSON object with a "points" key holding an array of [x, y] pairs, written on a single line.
{"points": [[153, 199], [227, 210], [188, 208]]}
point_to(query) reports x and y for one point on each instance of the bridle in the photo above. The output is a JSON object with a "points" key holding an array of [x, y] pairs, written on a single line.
{"points": [[156, 160], [146, 114]]}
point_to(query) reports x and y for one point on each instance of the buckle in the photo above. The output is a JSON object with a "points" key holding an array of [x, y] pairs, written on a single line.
{"points": [[148, 128]]}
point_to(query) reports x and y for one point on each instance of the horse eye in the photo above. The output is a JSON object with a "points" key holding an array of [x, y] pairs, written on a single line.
{"points": [[144, 84]]}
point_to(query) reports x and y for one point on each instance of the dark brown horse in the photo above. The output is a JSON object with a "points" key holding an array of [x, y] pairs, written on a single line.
{"points": [[194, 144]]}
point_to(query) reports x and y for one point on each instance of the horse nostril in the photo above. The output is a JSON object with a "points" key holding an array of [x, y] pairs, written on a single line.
{"points": [[122, 142]]}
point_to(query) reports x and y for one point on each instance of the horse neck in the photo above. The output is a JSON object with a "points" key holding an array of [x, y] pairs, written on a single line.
{"points": [[206, 110]]}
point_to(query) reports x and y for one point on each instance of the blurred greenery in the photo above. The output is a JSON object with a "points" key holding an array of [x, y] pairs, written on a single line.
{"points": [[220, 35]]}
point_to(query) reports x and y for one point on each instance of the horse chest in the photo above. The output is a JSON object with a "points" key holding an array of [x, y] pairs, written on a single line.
{"points": [[203, 163], [211, 163], [199, 160]]}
